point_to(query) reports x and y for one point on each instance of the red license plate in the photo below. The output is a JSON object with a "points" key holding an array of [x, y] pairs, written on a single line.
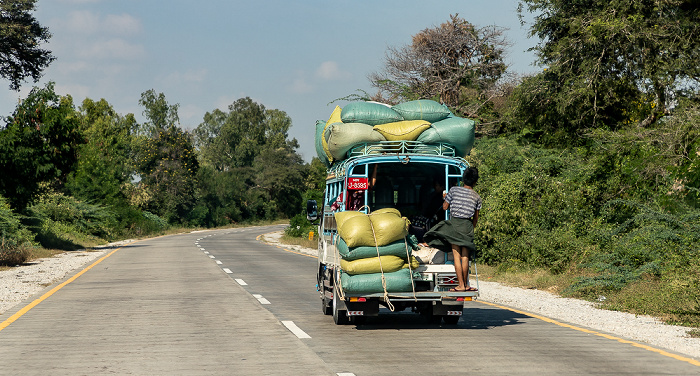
{"points": [[357, 183]]}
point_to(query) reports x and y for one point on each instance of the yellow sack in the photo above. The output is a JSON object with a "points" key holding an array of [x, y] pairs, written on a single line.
{"points": [[388, 264], [341, 217], [414, 264], [362, 229], [407, 130], [335, 118]]}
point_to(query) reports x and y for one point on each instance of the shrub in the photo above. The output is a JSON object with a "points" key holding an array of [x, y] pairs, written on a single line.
{"points": [[299, 226], [63, 222]]}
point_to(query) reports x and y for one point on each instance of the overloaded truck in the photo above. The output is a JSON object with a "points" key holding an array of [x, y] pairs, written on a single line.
{"points": [[388, 169]]}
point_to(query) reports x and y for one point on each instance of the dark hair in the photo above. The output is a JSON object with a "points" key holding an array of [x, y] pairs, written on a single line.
{"points": [[470, 177]]}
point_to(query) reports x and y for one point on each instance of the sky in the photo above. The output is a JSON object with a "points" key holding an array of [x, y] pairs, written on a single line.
{"points": [[294, 56]]}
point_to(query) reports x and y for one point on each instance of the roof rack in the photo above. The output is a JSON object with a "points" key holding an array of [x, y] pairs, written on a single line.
{"points": [[393, 148]]}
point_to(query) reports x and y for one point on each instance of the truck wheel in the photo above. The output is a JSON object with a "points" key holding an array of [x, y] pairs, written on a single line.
{"points": [[450, 320], [340, 316], [326, 306]]}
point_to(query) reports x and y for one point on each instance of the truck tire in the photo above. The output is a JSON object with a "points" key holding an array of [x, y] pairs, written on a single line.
{"points": [[326, 305], [450, 320], [340, 316]]}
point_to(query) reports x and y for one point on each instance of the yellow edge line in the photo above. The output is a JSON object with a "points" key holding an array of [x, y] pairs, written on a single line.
{"points": [[33, 304], [635, 344]]}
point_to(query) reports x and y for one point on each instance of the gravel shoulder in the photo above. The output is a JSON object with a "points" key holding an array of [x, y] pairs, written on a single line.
{"points": [[21, 283]]}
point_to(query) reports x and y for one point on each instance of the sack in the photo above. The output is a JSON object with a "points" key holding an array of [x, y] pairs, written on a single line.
{"points": [[371, 113], [422, 109], [397, 248], [341, 137], [407, 130], [387, 264], [428, 255], [398, 281], [335, 118], [363, 229], [320, 126], [456, 131]]}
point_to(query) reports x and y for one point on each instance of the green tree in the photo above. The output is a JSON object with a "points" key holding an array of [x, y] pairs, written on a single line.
{"points": [[159, 114], [20, 37], [456, 63], [105, 162], [38, 145], [166, 161], [236, 138], [610, 63]]}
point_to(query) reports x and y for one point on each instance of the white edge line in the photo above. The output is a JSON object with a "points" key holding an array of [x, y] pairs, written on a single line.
{"points": [[295, 329]]}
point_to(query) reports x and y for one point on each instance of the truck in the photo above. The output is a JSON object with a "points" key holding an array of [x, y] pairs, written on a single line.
{"points": [[389, 174]]}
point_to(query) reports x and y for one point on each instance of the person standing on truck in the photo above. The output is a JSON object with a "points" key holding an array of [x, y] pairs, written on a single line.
{"points": [[457, 233]]}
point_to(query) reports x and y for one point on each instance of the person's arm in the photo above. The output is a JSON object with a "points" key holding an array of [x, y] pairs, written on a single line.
{"points": [[475, 218]]}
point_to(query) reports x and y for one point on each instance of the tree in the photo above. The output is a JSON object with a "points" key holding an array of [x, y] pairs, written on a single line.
{"points": [[38, 145], [456, 63], [159, 114], [20, 36], [235, 139], [613, 63], [166, 161], [105, 161]]}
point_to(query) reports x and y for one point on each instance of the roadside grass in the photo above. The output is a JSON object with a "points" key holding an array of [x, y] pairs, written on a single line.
{"points": [[304, 242], [664, 299]]}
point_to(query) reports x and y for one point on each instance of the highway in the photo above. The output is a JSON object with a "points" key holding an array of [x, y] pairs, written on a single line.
{"points": [[223, 302]]}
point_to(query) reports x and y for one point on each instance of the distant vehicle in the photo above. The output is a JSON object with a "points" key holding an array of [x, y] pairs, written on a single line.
{"points": [[389, 174]]}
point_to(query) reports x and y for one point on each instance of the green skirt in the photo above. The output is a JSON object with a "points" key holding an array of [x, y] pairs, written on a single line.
{"points": [[457, 231]]}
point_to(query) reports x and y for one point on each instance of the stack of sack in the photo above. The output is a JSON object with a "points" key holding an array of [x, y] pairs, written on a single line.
{"points": [[421, 120], [372, 245]]}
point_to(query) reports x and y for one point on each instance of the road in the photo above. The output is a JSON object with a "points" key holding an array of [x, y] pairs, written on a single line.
{"points": [[222, 302]]}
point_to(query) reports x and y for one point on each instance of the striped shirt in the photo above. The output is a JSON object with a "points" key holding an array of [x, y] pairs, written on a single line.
{"points": [[464, 202]]}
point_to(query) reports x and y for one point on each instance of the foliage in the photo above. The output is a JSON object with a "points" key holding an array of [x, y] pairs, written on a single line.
{"points": [[252, 170], [104, 164], [455, 63], [63, 222], [299, 227], [235, 139], [167, 164], [609, 64], [20, 37], [15, 239], [38, 145], [159, 114]]}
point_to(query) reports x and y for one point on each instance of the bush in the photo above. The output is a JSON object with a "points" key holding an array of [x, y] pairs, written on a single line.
{"points": [[299, 227], [12, 253], [63, 222]]}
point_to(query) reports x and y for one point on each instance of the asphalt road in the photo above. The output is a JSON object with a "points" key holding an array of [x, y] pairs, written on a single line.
{"points": [[222, 302]]}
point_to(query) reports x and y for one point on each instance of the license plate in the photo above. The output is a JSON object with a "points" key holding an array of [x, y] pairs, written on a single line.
{"points": [[357, 183], [356, 313]]}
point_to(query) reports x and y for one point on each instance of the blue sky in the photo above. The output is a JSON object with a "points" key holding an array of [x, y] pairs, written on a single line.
{"points": [[295, 56]]}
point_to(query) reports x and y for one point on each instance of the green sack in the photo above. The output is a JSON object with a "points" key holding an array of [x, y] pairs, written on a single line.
{"points": [[341, 137], [369, 113], [422, 109], [397, 248], [398, 281], [456, 131], [386, 264], [320, 125]]}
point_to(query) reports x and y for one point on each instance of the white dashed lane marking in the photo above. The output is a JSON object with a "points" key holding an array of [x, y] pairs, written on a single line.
{"points": [[295, 329], [211, 256], [219, 262], [241, 282], [227, 271], [261, 299]]}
